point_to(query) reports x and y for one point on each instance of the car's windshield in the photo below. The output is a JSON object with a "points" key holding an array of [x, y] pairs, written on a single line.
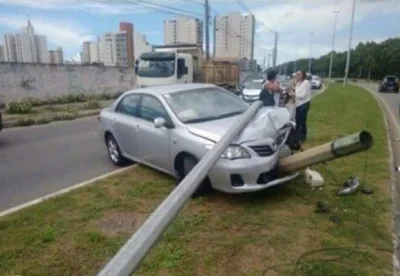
{"points": [[156, 68], [315, 78], [255, 85], [205, 104], [391, 78]]}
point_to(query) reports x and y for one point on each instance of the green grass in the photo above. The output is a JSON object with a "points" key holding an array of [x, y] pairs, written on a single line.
{"points": [[274, 232]]}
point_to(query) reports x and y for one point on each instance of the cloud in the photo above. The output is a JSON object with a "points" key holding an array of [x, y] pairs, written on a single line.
{"points": [[99, 7], [62, 33], [291, 18], [77, 57]]}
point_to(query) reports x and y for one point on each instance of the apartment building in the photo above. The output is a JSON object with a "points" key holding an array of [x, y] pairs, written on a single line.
{"points": [[2, 53], [26, 46], [141, 44], [94, 50], [56, 56], [86, 52], [10, 48], [113, 49], [129, 30], [234, 36], [183, 30], [41, 48]]}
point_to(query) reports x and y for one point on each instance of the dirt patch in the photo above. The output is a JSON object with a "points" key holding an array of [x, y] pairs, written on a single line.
{"points": [[114, 224]]}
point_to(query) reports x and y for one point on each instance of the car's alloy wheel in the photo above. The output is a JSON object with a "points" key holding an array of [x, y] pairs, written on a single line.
{"points": [[114, 152]]}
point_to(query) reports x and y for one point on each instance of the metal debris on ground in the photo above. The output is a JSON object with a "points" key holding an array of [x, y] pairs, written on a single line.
{"points": [[335, 219], [367, 191], [349, 186], [322, 207]]}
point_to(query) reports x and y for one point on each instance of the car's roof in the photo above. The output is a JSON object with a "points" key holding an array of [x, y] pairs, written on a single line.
{"points": [[171, 88], [258, 80]]}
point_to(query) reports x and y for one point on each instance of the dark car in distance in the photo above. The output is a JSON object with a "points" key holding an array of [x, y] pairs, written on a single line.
{"points": [[389, 83]]}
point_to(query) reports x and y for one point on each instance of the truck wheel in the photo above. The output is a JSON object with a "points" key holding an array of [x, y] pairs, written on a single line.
{"points": [[189, 162]]}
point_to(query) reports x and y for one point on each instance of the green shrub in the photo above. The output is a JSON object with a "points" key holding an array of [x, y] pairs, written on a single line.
{"points": [[19, 107], [34, 101], [91, 105], [42, 121], [64, 116], [25, 122]]}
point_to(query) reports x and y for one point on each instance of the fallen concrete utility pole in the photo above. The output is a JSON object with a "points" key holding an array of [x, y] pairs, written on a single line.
{"points": [[136, 248], [338, 148]]}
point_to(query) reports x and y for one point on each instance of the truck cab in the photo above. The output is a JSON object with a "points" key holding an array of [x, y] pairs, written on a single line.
{"points": [[166, 66]]}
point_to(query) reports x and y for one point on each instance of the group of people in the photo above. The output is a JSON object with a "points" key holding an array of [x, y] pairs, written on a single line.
{"points": [[296, 97]]}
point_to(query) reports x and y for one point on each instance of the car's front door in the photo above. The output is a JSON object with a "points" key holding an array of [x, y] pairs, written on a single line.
{"points": [[124, 124], [153, 143]]}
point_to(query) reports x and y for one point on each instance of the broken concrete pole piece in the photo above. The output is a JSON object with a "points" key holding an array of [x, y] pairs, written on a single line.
{"points": [[313, 178]]}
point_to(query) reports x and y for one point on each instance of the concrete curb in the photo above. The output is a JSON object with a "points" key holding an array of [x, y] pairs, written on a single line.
{"points": [[393, 139], [50, 119], [63, 191]]}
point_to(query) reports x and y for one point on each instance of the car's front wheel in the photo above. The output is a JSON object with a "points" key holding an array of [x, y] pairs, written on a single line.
{"points": [[114, 152], [189, 162]]}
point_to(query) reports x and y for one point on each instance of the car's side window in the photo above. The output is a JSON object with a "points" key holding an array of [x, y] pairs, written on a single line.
{"points": [[152, 108], [129, 105]]}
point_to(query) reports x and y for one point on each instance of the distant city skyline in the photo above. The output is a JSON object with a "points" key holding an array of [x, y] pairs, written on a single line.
{"points": [[27, 47], [69, 23], [115, 48]]}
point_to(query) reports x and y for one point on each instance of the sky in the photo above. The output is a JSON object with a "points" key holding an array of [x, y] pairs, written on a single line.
{"points": [[305, 27]]}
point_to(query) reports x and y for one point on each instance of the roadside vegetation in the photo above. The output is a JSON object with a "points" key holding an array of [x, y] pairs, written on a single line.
{"points": [[32, 111], [369, 60], [274, 232]]}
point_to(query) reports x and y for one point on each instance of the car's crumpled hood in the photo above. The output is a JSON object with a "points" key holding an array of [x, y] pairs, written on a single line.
{"points": [[251, 92], [266, 123]]}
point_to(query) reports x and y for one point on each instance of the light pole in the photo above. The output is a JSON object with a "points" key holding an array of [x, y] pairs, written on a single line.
{"points": [[333, 43], [309, 60], [346, 71]]}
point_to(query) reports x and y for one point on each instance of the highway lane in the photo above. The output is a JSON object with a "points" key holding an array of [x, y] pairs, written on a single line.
{"points": [[392, 99], [38, 160]]}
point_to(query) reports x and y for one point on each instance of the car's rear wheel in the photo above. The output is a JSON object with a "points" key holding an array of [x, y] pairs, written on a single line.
{"points": [[188, 163], [114, 152]]}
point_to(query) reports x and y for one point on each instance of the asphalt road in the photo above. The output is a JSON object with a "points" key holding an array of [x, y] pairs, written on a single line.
{"points": [[38, 160], [392, 99]]}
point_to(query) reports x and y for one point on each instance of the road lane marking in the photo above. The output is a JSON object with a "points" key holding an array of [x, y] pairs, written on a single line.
{"points": [[63, 191]]}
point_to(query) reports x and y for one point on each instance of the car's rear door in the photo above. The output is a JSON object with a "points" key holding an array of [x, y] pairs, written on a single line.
{"points": [[124, 124], [153, 143]]}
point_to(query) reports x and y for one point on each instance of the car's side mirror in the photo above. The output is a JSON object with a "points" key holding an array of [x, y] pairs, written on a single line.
{"points": [[159, 122]]}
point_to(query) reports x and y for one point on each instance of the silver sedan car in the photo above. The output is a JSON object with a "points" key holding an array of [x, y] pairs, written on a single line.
{"points": [[170, 128]]}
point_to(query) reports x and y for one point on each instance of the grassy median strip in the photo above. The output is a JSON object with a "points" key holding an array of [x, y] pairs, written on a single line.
{"points": [[274, 232]]}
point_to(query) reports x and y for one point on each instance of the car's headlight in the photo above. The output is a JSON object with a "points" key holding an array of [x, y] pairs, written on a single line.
{"points": [[232, 152]]}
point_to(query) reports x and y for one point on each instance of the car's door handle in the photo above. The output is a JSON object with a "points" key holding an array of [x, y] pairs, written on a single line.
{"points": [[137, 128]]}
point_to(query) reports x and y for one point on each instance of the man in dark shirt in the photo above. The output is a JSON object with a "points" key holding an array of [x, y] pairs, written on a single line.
{"points": [[266, 95]]}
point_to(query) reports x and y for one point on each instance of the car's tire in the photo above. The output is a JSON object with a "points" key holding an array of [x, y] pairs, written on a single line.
{"points": [[114, 152], [188, 163]]}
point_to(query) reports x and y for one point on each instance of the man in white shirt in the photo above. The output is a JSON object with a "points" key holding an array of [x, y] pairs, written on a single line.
{"points": [[303, 98]]}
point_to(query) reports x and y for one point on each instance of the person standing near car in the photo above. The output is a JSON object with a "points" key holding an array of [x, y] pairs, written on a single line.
{"points": [[303, 99], [270, 90]]}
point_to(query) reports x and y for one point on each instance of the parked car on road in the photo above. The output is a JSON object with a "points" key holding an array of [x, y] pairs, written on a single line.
{"points": [[316, 82], [170, 128], [388, 84], [251, 91]]}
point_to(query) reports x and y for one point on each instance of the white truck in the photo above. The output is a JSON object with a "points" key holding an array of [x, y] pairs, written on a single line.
{"points": [[183, 63]]}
